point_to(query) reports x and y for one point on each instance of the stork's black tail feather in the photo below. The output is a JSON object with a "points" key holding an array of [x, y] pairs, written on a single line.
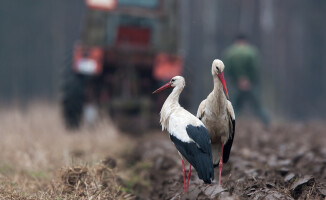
{"points": [[204, 168]]}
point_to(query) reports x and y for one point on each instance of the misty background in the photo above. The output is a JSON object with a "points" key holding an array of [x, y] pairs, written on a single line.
{"points": [[36, 37]]}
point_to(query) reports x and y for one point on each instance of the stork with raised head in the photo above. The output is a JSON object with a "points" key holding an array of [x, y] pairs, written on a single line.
{"points": [[187, 132], [217, 113]]}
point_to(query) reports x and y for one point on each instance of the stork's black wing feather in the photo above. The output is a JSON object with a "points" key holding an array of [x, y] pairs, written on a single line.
{"points": [[228, 144], [201, 137]]}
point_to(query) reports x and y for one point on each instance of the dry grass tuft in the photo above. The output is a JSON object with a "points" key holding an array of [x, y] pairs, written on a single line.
{"points": [[40, 159], [97, 182]]}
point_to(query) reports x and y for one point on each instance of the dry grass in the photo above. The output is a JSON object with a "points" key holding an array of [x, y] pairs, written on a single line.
{"points": [[39, 159]]}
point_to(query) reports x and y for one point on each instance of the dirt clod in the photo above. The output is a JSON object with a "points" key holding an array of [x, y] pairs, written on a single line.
{"points": [[290, 177], [110, 162], [299, 185]]}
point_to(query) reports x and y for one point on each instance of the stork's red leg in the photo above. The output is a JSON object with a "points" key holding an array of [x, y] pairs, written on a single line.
{"points": [[184, 176], [221, 164], [188, 178]]}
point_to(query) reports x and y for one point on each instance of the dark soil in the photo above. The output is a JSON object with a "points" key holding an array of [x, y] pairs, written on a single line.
{"points": [[285, 161]]}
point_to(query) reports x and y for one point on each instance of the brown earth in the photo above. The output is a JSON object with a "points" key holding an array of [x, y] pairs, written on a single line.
{"points": [[39, 159], [284, 161]]}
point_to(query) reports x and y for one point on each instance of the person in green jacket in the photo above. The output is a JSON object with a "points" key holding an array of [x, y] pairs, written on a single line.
{"points": [[241, 61]]}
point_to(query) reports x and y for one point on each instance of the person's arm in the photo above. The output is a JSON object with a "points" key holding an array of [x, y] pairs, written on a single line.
{"points": [[254, 68]]}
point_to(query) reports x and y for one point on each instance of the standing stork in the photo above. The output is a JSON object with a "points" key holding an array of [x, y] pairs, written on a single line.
{"points": [[188, 134], [216, 112]]}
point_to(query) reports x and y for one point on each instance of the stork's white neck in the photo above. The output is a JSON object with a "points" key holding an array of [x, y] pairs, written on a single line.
{"points": [[219, 92], [218, 87], [171, 103]]}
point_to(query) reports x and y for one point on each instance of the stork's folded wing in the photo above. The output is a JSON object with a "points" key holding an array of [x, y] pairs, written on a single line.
{"points": [[201, 137]]}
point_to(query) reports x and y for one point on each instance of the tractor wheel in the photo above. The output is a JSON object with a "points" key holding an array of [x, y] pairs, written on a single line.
{"points": [[72, 99]]}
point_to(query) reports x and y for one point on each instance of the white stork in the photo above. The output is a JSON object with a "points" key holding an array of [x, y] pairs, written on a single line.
{"points": [[187, 132], [216, 112]]}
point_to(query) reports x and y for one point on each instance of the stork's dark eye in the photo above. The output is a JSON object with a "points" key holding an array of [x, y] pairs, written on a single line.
{"points": [[218, 70], [172, 80]]}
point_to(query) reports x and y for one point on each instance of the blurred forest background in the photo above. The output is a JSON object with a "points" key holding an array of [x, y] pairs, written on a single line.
{"points": [[36, 37]]}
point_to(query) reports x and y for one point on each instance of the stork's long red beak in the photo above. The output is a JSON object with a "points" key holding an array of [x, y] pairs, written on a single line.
{"points": [[221, 77], [164, 87]]}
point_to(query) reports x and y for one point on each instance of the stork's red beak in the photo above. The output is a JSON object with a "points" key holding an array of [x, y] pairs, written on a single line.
{"points": [[164, 87], [221, 77]]}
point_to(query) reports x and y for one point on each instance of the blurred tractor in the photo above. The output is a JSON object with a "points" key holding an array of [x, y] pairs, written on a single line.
{"points": [[126, 50]]}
